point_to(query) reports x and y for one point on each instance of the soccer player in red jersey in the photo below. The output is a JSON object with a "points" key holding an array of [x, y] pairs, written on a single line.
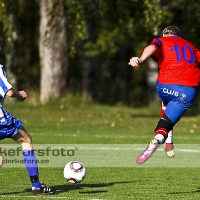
{"points": [[177, 82]]}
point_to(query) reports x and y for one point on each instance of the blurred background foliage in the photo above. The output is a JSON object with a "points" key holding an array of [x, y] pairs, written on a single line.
{"points": [[102, 36]]}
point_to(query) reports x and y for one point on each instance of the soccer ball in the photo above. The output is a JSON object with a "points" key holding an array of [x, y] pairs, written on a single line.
{"points": [[74, 172]]}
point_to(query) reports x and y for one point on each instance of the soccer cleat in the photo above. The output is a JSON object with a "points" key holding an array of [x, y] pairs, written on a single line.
{"points": [[43, 190], [147, 153], [169, 150]]}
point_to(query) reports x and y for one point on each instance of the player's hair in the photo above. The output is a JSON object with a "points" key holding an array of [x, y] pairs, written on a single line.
{"points": [[171, 30]]}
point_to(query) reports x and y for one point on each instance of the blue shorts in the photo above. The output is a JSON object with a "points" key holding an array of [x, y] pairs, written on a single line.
{"points": [[178, 99], [9, 127]]}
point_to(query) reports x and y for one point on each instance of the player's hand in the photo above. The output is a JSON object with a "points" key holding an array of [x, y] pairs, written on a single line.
{"points": [[135, 62], [22, 95]]}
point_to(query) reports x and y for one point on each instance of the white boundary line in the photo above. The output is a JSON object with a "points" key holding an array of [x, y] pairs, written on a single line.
{"points": [[106, 136], [140, 149], [103, 147]]}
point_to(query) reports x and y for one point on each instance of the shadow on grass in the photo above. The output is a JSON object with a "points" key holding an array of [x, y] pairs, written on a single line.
{"points": [[191, 192], [69, 187], [92, 187]]}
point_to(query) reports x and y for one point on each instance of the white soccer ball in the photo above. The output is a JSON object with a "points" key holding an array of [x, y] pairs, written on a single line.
{"points": [[74, 172]]}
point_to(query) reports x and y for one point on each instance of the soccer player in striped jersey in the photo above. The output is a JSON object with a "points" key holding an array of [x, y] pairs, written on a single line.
{"points": [[11, 127], [177, 83]]}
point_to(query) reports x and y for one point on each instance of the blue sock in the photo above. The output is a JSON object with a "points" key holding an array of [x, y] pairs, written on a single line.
{"points": [[30, 162], [37, 185]]}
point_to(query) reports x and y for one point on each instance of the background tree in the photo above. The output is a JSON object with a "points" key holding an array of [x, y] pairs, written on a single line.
{"points": [[53, 43], [9, 12], [111, 24], [85, 45], [20, 24]]}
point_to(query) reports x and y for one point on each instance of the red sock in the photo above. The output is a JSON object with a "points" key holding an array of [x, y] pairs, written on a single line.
{"points": [[161, 135]]}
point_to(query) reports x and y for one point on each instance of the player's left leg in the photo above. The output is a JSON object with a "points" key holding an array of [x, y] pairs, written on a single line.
{"points": [[30, 161], [168, 146], [1, 160], [163, 127]]}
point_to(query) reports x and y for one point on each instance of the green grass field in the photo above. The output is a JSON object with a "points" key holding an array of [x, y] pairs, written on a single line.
{"points": [[112, 173]]}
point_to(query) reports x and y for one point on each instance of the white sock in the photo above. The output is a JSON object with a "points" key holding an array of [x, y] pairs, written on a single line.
{"points": [[169, 137], [160, 138]]}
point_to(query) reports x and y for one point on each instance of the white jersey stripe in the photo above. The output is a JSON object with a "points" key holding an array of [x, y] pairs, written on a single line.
{"points": [[4, 84]]}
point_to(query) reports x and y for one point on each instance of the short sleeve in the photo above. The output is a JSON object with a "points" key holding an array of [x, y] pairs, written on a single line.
{"points": [[4, 84], [157, 43]]}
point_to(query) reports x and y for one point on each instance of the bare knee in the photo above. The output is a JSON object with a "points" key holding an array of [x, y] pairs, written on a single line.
{"points": [[22, 136], [1, 160], [24, 139]]}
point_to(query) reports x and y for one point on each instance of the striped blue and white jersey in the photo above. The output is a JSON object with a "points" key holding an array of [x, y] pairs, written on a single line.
{"points": [[4, 84], [8, 124], [4, 87]]}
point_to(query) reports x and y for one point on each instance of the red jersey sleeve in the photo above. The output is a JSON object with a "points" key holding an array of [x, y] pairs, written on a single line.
{"points": [[157, 43]]}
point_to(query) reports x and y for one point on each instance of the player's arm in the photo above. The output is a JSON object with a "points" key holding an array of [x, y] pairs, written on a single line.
{"points": [[20, 95], [148, 51], [197, 55]]}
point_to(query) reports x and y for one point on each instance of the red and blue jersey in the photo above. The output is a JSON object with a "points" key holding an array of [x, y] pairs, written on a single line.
{"points": [[177, 61]]}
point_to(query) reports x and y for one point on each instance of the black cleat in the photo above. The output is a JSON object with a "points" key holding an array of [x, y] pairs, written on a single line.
{"points": [[43, 190]]}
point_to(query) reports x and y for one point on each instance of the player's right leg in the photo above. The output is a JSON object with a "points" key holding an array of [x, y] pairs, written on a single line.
{"points": [[24, 139], [168, 146], [175, 110]]}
